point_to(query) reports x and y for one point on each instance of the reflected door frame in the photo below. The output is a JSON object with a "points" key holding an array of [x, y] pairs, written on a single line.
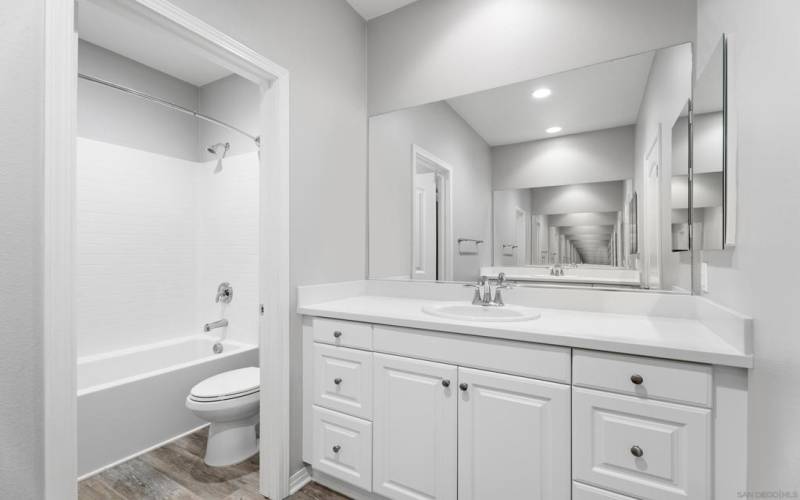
{"points": [[652, 213], [421, 159]]}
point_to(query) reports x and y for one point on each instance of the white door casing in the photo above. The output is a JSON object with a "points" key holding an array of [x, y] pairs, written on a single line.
{"points": [[443, 242], [652, 213]]}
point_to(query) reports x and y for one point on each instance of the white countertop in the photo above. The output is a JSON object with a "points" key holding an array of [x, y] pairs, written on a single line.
{"points": [[662, 337]]}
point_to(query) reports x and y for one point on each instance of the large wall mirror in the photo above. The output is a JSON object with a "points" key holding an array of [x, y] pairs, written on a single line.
{"points": [[577, 178]]}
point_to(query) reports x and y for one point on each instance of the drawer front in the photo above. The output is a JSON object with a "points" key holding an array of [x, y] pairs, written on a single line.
{"points": [[644, 377], [585, 492], [505, 356], [643, 448], [343, 447], [343, 380], [343, 333]]}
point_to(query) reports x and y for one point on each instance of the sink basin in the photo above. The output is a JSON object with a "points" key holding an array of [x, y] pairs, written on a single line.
{"points": [[465, 311]]}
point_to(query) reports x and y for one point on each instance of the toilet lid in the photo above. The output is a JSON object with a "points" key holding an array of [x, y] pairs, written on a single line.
{"points": [[231, 383]]}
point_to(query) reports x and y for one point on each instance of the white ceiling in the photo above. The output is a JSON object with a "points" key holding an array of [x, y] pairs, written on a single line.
{"points": [[147, 44], [592, 98], [369, 9]]}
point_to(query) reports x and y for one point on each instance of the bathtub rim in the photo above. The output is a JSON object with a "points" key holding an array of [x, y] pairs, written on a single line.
{"points": [[241, 347]]}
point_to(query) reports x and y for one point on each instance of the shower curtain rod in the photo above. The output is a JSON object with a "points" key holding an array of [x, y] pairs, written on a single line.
{"points": [[168, 104]]}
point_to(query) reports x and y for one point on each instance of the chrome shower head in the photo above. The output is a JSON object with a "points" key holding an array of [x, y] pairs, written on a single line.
{"points": [[215, 149]]}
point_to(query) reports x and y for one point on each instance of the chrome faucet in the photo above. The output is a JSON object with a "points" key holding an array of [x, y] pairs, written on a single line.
{"points": [[483, 291], [214, 325], [557, 270]]}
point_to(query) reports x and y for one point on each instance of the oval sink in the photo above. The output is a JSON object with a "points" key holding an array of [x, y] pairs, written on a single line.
{"points": [[465, 311]]}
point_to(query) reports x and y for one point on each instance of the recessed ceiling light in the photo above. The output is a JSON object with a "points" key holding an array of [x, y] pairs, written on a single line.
{"points": [[541, 93], [553, 130]]}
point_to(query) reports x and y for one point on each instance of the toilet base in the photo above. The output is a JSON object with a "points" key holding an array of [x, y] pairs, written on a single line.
{"points": [[231, 442]]}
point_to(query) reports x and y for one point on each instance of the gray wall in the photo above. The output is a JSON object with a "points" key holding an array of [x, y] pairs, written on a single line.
{"points": [[108, 115], [234, 100], [437, 49], [764, 56], [322, 44], [21, 202], [438, 129], [598, 156]]}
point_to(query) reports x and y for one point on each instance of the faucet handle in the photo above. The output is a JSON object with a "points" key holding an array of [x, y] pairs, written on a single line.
{"points": [[502, 282]]}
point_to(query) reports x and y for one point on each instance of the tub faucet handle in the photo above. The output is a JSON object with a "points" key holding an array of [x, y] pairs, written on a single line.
{"points": [[224, 293]]}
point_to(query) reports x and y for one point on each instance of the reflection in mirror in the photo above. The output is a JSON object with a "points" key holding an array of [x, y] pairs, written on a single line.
{"points": [[565, 186], [708, 164], [680, 182]]}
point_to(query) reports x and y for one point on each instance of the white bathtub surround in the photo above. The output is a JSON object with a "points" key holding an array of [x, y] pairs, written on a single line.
{"points": [[155, 237], [655, 383], [230, 402], [133, 400]]}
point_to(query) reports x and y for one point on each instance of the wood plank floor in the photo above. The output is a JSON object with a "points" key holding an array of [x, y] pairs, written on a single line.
{"points": [[177, 471]]}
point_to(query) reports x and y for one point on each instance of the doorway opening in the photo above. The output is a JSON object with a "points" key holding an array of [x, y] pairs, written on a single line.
{"points": [[432, 217]]}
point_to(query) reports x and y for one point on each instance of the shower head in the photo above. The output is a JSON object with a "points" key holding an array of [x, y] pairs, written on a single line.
{"points": [[215, 149]]}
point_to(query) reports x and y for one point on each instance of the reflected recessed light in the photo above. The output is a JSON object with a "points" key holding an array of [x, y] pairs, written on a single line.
{"points": [[553, 130], [541, 93]]}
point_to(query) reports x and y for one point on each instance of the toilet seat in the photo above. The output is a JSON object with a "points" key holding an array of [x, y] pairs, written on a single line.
{"points": [[227, 385]]}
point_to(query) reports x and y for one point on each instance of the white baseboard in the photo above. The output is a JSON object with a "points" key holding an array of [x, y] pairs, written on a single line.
{"points": [[298, 480], [142, 452]]}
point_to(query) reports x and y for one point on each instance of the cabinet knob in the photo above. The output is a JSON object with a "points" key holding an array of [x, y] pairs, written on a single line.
{"points": [[636, 451], [446, 383], [336, 448], [337, 381], [463, 387], [637, 379], [337, 334]]}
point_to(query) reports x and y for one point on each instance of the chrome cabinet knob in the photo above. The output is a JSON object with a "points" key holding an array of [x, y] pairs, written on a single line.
{"points": [[336, 448], [337, 381], [463, 387], [636, 451], [446, 383], [637, 379], [337, 334]]}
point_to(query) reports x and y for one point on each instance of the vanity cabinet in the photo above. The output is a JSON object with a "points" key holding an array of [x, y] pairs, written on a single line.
{"points": [[513, 437], [415, 428], [407, 414]]}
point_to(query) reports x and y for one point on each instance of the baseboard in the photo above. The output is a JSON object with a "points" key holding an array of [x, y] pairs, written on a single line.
{"points": [[298, 480], [142, 452], [344, 488]]}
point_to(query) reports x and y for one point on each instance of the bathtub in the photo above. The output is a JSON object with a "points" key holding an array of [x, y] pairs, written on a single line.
{"points": [[133, 400]]}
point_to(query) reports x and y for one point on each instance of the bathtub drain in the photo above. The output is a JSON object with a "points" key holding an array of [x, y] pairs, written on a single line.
{"points": [[217, 348]]}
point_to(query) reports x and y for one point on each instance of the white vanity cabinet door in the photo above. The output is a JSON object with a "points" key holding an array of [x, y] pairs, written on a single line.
{"points": [[414, 428], [642, 448], [513, 437]]}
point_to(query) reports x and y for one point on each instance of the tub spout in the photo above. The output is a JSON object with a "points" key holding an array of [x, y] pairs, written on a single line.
{"points": [[216, 324]]}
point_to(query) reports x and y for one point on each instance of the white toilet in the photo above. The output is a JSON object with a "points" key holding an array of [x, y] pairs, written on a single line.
{"points": [[230, 402]]}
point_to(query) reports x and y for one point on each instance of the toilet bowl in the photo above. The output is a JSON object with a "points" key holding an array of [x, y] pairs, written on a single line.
{"points": [[229, 401]]}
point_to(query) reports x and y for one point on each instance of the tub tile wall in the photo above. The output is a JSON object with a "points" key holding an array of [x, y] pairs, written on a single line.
{"points": [[155, 236]]}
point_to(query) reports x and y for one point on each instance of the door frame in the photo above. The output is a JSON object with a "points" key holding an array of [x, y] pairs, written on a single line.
{"points": [[652, 211], [60, 132], [423, 158]]}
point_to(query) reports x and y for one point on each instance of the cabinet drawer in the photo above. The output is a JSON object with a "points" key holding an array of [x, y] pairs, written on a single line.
{"points": [[643, 448], [343, 380], [505, 356], [343, 333], [585, 492], [343, 447], [657, 378]]}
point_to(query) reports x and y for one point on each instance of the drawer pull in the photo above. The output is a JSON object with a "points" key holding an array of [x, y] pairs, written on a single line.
{"points": [[446, 383], [337, 334], [463, 387], [336, 448], [636, 451], [637, 379], [337, 381]]}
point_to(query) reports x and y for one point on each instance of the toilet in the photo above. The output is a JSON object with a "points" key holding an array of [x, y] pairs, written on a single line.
{"points": [[229, 401]]}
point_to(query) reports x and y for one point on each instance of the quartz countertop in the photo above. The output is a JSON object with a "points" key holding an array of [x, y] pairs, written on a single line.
{"points": [[661, 337]]}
